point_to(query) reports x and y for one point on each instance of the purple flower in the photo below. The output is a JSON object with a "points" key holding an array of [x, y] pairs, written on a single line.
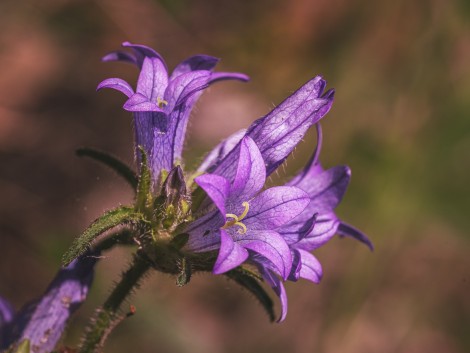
{"points": [[317, 223], [43, 321], [245, 221], [161, 104], [277, 133]]}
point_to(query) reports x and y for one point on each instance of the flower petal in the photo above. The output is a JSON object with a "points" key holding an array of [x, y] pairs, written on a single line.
{"points": [[48, 316], [219, 76], [325, 228], [280, 291], [221, 150], [230, 255], [139, 103], [325, 189], [278, 133], [120, 55], [347, 230], [142, 51], [153, 79], [216, 187], [270, 245], [204, 232], [275, 207], [251, 172], [117, 84], [193, 63], [310, 267]]}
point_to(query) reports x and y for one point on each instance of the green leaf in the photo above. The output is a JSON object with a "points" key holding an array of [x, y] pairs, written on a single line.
{"points": [[145, 179], [121, 237], [252, 282], [110, 219], [112, 162]]}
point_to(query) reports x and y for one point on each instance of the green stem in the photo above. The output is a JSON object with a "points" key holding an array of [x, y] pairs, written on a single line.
{"points": [[108, 316]]}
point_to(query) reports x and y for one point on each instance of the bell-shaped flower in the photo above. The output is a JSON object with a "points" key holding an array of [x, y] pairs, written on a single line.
{"points": [[244, 223], [161, 104], [43, 321], [277, 133], [316, 225]]}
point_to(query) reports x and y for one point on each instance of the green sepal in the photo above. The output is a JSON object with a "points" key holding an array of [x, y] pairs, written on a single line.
{"points": [[111, 219], [184, 276], [252, 282], [144, 195], [112, 162]]}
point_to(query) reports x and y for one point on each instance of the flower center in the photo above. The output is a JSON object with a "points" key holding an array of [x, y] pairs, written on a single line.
{"points": [[161, 102], [236, 220]]}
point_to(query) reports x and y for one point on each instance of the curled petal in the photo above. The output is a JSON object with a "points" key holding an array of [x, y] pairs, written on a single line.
{"points": [[119, 55], [230, 255], [275, 207], [216, 187], [196, 62], [347, 230], [219, 76], [310, 268], [294, 274], [184, 86], [271, 246], [117, 84], [251, 172], [325, 228], [142, 51], [280, 291]]}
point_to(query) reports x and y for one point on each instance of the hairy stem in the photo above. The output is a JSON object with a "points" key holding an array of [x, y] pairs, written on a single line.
{"points": [[108, 316]]}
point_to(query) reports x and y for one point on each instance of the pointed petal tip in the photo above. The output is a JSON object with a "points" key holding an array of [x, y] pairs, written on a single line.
{"points": [[117, 84], [345, 229], [219, 76], [330, 94]]}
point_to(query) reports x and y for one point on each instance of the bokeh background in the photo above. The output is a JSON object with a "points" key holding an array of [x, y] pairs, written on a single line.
{"points": [[400, 120]]}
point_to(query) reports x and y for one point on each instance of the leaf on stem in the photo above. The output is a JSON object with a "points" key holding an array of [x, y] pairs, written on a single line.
{"points": [[111, 219], [112, 162]]}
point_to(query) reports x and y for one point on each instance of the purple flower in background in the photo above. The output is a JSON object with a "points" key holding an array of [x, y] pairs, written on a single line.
{"points": [[43, 321], [245, 220], [161, 104]]}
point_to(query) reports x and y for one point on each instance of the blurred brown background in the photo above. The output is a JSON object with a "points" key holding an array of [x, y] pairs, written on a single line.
{"points": [[400, 120]]}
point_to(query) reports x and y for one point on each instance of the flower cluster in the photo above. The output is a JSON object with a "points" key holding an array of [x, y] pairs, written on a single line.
{"points": [[219, 218]]}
